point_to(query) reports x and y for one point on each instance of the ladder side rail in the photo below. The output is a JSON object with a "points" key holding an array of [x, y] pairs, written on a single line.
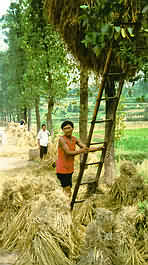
{"points": [[100, 92], [99, 96], [121, 83], [99, 169]]}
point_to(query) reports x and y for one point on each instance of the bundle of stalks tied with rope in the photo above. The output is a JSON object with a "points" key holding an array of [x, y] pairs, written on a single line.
{"points": [[129, 187], [37, 222], [52, 152], [101, 241], [132, 226], [22, 136]]}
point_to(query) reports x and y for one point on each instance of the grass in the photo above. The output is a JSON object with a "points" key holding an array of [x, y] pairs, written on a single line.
{"points": [[135, 140], [133, 145]]}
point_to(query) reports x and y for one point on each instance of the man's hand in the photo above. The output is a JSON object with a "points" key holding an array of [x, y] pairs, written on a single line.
{"points": [[84, 150], [94, 149]]}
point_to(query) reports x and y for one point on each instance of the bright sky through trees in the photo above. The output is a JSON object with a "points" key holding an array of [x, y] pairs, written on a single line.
{"points": [[4, 4]]}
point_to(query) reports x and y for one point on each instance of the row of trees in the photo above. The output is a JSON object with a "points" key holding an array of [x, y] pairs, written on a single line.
{"points": [[34, 66]]}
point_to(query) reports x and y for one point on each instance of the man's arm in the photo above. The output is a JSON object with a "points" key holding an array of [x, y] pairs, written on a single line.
{"points": [[65, 147], [81, 145], [90, 149]]}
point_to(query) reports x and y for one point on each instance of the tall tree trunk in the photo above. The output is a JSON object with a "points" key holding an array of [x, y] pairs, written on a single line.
{"points": [[37, 111], [18, 115], [49, 115], [109, 163], [29, 119], [10, 117], [25, 114], [50, 106], [13, 117], [83, 119]]}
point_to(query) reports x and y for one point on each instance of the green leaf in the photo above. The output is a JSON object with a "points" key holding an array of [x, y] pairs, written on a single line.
{"points": [[117, 29], [130, 30], [84, 6], [97, 50], [145, 9]]}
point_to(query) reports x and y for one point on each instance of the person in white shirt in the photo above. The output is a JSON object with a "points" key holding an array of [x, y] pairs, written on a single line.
{"points": [[43, 141]]}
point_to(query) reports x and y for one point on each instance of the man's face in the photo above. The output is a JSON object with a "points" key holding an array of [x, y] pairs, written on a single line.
{"points": [[68, 130], [44, 128]]}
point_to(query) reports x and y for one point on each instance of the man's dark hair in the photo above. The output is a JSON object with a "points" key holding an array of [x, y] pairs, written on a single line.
{"points": [[43, 125], [66, 123]]}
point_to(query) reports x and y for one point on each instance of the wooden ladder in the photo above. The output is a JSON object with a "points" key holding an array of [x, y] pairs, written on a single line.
{"points": [[95, 121]]}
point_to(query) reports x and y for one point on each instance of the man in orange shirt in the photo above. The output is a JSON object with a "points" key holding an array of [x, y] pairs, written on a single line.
{"points": [[66, 153]]}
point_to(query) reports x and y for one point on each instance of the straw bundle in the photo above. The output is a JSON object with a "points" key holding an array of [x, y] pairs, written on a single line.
{"points": [[83, 213], [33, 154], [37, 216], [132, 227], [128, 188], [52, 151], [21, 135], [35, 239], [101, 241], [143, 169]]}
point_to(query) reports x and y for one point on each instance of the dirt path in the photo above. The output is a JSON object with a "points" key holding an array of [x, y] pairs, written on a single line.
{"points": [[12, 159], [11, 156]]}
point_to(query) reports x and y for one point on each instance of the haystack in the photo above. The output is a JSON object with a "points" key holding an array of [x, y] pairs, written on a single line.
{"points": [[101, 241], [36, 221], [128, 188], [24, 138], [132, 226]]}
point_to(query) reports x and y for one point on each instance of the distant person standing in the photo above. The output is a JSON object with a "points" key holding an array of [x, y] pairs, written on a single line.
{"points": [[43, 141]]}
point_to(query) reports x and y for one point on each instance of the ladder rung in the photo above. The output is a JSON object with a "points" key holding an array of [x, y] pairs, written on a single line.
{"points": [[109, 98], [95, 163], [79, 201], [100, 121], [97, 143], [84, 183]]}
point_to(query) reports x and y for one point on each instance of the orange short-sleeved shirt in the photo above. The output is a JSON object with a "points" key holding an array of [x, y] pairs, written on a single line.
{"points": [[65, 163]]}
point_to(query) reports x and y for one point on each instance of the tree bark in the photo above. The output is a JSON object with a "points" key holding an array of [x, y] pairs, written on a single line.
{"points": [[49, 114], [29, 119], [109, 163], [37, 111], [25, 114], [10, 117], [83, 119]]}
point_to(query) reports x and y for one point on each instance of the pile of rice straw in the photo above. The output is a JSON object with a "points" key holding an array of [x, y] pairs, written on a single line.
{"points": [[21, 135], [101, 241], [35, 220], [129, 188], [106, 229]]}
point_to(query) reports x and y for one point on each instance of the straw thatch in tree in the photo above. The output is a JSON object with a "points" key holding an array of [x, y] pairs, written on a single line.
{"points": [[65, 14]]}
